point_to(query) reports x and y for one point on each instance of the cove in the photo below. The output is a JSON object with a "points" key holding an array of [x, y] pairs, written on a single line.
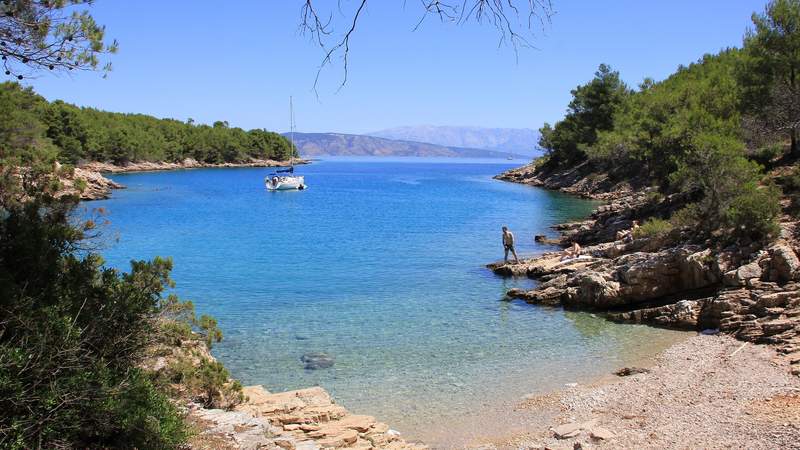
{"points": [[379, 265]]}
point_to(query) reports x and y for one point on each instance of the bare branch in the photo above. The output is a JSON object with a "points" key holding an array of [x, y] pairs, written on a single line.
{"points": [[512, 19]]}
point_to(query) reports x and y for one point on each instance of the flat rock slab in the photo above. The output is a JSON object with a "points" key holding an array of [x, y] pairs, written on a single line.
{"points": [[601, 434], [309, 418], [568, 430]]}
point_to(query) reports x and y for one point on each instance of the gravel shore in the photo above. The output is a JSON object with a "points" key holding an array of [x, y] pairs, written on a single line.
{"points": [[705, 392]]}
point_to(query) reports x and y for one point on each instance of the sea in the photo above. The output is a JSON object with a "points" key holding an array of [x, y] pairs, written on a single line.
{"points": [[380, 265]]}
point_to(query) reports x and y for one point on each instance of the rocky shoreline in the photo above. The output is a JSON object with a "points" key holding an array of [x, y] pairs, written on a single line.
{"points": [[95, 186], [251, 418], [188, 163], [305, 419], [88, 185], [748, 293], [577, 180]]}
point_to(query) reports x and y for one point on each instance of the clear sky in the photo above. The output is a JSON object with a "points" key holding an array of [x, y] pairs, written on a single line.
{"points": [[240, 60]]}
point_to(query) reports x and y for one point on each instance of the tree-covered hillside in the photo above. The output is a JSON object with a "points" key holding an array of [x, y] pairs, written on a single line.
{"points": [[707, 132], [78, 134]]}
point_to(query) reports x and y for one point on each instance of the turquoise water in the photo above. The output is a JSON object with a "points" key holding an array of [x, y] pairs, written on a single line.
{"points": [[379, 264]]}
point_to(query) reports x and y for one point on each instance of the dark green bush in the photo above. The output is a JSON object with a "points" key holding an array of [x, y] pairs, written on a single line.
{"points": [[200, 379], [753, 213], [768, 153], [71, 336], [653, 228], [145, 418]]}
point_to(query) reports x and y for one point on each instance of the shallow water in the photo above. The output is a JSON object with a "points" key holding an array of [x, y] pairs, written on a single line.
{"points": [[379, 264]]}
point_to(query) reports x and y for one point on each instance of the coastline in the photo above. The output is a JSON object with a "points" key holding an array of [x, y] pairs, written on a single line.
{"points": [[709, 391], [738, 386], [225, 415], [96, 186], [188, 163], [544, 414]]}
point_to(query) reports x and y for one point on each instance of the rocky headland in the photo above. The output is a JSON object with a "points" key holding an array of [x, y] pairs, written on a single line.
{"points": [[733, 295], [748, 290], [87, 184]]}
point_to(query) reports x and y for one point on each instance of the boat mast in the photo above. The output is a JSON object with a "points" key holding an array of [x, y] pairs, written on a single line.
{"points": [[291, 134]]}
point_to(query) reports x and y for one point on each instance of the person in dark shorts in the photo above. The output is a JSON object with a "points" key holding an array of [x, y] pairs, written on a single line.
{"points": [[508, 245]]}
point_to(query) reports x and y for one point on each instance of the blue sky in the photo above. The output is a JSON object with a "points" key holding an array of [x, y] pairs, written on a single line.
{"points": [[240, 61]]}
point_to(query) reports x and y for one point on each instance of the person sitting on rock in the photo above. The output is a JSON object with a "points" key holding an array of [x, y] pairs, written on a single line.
{"points": [[628, 235], [573, 251], [508, 245]]}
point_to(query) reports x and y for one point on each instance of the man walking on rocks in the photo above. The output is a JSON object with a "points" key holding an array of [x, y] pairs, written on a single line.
{"points": [[508, 244]]}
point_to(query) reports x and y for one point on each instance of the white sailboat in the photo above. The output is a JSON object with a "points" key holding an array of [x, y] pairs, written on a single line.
{"points": [[285, 179]]}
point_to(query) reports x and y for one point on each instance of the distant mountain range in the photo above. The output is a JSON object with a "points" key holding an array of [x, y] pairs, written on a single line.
{"points": [[522, 141], [337, 144]]}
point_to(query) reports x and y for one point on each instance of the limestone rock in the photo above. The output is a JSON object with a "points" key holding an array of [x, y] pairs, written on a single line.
{"points": [[601, 434], [684, 314], [566, 431], [784, 264], [310, 419], [88, 185], [741, 276]]}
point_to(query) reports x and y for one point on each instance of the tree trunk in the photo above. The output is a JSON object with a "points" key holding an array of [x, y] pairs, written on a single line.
{"points": [[793, 133]]}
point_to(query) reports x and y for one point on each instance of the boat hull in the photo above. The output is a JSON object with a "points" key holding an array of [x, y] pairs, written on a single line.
{"points": [[284, 183]]}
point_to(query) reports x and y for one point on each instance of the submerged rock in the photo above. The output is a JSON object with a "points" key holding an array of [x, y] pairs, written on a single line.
{"points": [[317, 360]]}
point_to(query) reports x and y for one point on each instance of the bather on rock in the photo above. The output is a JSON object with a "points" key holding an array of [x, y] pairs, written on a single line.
{"points": [[628, 235], [508, 245], [573, 252]]}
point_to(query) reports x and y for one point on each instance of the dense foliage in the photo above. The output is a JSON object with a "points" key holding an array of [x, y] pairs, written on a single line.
{"points": [[78, 134], [71, 335], [590, 112], [706, 131], [770, 69]]}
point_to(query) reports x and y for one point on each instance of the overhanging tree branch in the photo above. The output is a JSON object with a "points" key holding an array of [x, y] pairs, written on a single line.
{"points": [[55, 35], [512, 19]]}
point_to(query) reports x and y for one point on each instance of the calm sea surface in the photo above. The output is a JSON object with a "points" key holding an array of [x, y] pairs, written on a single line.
{"points": [[379, 264]]}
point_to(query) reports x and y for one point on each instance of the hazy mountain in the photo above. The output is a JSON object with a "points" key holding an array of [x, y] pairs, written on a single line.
{"points": [[336, 144], [514, 140]]}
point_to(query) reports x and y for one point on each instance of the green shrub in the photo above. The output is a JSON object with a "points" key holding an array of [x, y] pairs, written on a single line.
{"points": [[686, 217], [209, 329], [653, 228], [80, 184], [655, 197], [72, 335], [754, 212], [146, 418], [791, 186], [766, 154], [540, 161], [202, 380]]}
